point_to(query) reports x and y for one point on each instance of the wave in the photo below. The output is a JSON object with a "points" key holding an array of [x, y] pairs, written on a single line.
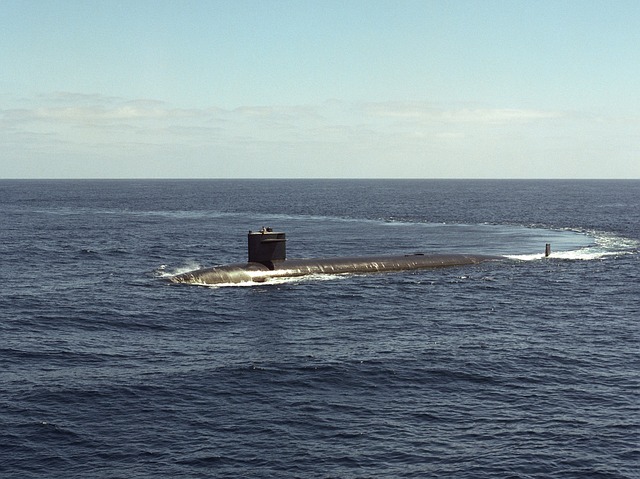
{"points": [[162, 272], [176, 214], [604, 245]]}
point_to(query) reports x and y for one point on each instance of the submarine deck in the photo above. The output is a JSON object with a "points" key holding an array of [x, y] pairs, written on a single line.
{"points": [[258, 272]]}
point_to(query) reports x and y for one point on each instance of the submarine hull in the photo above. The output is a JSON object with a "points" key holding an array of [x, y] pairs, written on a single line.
{"points": [[259, 272]]}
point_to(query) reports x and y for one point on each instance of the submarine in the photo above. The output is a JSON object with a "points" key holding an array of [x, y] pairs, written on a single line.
{"points": [[268, 260]]}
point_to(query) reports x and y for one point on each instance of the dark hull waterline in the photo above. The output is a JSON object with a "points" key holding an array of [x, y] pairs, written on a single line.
{"points": [[291, 268]]}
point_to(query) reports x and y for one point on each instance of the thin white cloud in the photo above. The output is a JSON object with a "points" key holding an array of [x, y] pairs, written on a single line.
{"points": [[430, 113], [92, 114], [328, 139]]}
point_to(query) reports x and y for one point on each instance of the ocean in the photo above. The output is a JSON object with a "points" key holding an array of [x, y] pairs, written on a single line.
{"points": [[522, 368]]}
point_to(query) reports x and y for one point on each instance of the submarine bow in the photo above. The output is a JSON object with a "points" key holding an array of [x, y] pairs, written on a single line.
{"points": [[267, 260]]}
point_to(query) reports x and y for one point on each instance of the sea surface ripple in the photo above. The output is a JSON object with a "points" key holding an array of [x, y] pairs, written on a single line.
{"points": [[525, 368]]}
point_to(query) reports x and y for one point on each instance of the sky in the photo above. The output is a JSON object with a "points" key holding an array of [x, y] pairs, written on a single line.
{"points": [[320, 89]]}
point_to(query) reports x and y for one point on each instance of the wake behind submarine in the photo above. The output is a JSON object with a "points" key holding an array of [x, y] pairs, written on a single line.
{"points": [[267, 260]]}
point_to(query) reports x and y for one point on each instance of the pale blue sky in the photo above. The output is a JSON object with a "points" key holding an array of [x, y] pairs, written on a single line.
{"points": [[433, 89]]}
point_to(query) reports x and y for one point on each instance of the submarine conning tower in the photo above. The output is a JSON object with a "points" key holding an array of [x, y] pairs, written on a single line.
{"points": [[267, 246]]}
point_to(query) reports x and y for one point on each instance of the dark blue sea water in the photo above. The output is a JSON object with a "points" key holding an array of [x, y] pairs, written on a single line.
{"points": [[523, 368]]}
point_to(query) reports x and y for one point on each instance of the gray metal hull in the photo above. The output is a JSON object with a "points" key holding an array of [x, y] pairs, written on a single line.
{"points": [[258, 272]]}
